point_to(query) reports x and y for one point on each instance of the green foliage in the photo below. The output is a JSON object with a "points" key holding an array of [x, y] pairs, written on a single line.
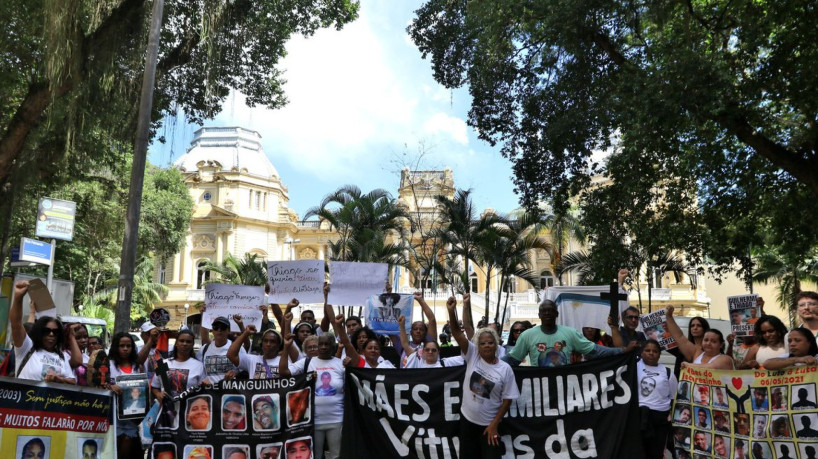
{"points": [[365, 223], [167, 209], [145, 295], [713, 103], [246, 271], [789, 273]]}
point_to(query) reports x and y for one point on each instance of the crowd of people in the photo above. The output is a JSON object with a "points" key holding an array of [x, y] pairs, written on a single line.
{"points": [[52, 352]]}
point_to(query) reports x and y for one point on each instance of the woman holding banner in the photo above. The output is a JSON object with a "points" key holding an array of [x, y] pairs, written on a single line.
{"points": [[184, 371], [803, 350], [771, 336], [426, 357], [124, 361], [709, 355], [492, 385]]}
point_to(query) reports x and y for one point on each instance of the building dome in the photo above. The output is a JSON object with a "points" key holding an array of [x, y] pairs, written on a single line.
{"points": [[232, 148]]}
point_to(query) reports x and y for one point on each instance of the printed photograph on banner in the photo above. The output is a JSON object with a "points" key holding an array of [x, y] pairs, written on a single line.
{"points": [[89, 448], [266, 409], [808, 450], [702, 418], [785, 450], [759, 400], [682, 415], [198, 413], [719, 397], [701, 394], [299, 448], [720, 422], [681, 438], [744, 313], [170, 424], [760, 425], [780, 426], [803, 397], [721, 446], [269, 451], [761, 449], [683, 391], [741, 424], [383, 311], [234, 412], [741, 448], [236, 452], [701, 441], [198, 452], [805, 425], [778, 398], [33, 446], [163, 451], [298, 407]]}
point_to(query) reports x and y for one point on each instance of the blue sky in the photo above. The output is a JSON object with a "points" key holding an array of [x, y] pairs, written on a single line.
{"points": [[362, 103]]}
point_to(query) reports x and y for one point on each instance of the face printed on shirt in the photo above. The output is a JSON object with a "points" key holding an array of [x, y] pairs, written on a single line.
{"points": [[552, 354]]}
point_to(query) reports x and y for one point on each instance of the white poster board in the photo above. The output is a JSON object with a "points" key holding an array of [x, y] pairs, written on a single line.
{"points": [[228, 300], [301, 279], [353, 283]]}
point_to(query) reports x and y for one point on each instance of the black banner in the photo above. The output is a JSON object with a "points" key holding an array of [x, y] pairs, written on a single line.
{"points": [[249, 418], [583, 410]]}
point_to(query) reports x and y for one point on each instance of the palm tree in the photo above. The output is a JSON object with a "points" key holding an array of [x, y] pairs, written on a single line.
{"points": [[461, 229], [363, 222], [579, 262], [660, 263], [562, 227], [246, 271], [145, 295], [789, 272]]}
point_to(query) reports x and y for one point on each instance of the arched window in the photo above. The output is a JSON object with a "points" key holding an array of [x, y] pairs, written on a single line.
{"points": [[473, 282], [202, 275], [546, 279]]}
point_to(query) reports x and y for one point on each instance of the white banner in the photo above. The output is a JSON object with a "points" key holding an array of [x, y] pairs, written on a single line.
{"points": [[353, 283], [582, 306], [227, 300], [301, 279]]}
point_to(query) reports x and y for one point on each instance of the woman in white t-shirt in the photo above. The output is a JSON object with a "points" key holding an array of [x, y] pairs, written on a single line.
{"points": [[184, 371], [124, 361], [426, 356], [488, 389], [657, 387], [39, 357]]}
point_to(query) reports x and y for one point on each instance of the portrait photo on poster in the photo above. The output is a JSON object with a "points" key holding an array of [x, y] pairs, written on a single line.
{"points": [[234, 412], [89, 448], [198, 413], [299, 448], [298, 407], [163, 451], [135, 399], [236, 452], [266, 412], [269, 451], [33, 446], [198, 452], [803, 397]]}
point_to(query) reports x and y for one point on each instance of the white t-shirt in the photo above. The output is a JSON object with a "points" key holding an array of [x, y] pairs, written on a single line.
{"points": [[216, 362], [416, 360], [182, 375], [254, 365], [40, 363], [382, 363], [485, 387], [656, 389], [329, 388], [115, 371]]}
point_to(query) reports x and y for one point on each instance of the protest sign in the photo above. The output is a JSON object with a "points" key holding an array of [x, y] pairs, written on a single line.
{"points": [[582, 306], [752, 413], [382, 312], [743, 313], [41, 297], [654, 325], [135, 399], [353, 283], [227, 300], [260, 417], [582, 410], [57, 420], [301, 279]]}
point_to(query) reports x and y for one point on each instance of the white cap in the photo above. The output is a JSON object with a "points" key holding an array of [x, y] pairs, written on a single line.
{"points": [[147, 326]]}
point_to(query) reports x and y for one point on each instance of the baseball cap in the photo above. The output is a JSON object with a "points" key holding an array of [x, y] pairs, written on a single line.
{"points": [[146, 327]]}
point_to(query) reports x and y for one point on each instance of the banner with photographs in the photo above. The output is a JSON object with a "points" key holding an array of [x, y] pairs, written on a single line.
{"points": [[382, 312], [744, 313], [256, 418], [742, 414], [581, 410], [654, 325], [55, 420]]}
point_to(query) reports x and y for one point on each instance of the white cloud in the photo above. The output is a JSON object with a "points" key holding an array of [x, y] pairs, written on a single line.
{"points": [[449, 125]]}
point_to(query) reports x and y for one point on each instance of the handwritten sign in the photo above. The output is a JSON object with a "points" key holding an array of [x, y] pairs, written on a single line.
{"points": [[302, 279], [353, 283], [228, 300]]}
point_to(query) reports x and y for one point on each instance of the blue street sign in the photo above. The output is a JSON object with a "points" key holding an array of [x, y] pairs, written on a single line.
{"points": [[35, 251]]}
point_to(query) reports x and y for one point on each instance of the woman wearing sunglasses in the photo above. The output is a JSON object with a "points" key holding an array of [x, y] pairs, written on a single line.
{"points": [[427, 356], [39, 357]]}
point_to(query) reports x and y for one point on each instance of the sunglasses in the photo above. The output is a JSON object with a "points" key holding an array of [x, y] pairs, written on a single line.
{"points": [[51, 331]]}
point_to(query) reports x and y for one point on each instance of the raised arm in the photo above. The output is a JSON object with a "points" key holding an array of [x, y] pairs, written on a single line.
{"points": [[454, 326], [18, 332], [687, 348], [292, 352], [404, 338], [145, 352], [325, 321], [352, 353], [616, 337], [234, 350], [74, 347], [284, 362], [468, 321], [431, 324]]}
